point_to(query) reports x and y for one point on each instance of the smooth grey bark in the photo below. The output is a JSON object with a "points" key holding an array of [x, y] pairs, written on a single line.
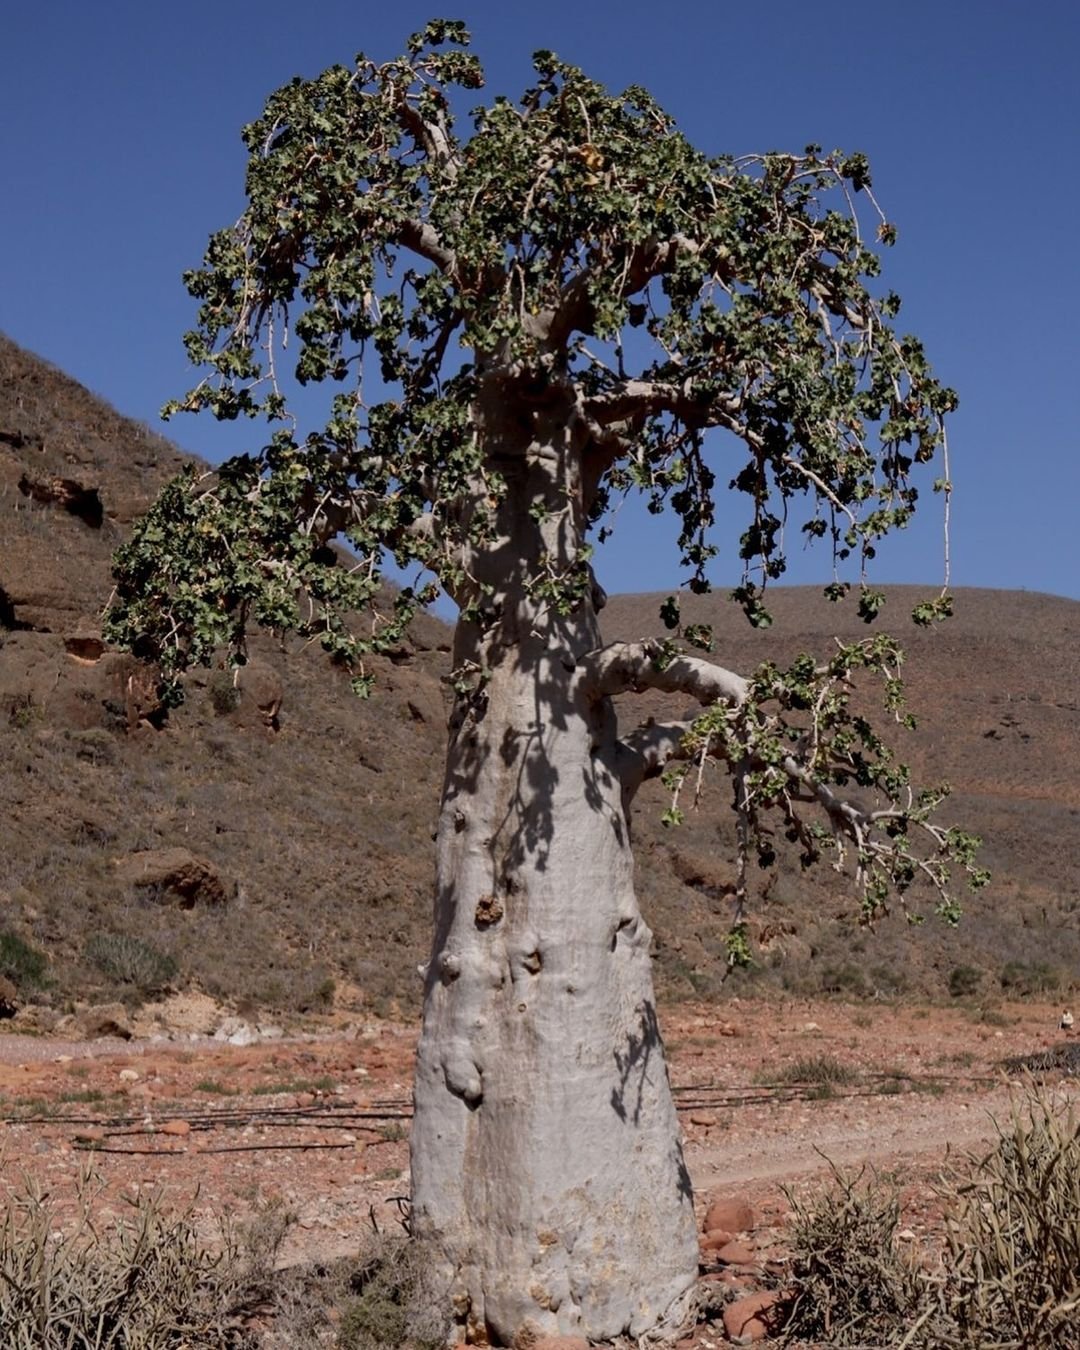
{"points": [[547, 1170]]}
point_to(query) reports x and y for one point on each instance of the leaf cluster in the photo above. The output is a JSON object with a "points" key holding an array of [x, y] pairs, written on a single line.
{"points": [[571, 246], [802, 747]]}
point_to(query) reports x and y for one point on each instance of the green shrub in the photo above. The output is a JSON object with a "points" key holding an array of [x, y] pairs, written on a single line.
{"points": [[844, 979], [224, 695], [1024, 978], [392, 1303], [131, 961], [816, 1070], [23, 964], [964, 980]]}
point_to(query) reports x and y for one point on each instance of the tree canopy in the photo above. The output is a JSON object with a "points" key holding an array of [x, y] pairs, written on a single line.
{"points": [[709, 322]]}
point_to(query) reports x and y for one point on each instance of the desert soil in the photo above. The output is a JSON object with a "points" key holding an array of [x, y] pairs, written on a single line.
{"points": [[320, 1121]]}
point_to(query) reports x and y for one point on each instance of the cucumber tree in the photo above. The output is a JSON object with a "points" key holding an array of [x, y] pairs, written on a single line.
{"points": [[519, 315]]}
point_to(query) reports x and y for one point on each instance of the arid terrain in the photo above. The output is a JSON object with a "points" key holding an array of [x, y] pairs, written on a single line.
{"points": [[771, 1095], [240, 890], [276, 814]]}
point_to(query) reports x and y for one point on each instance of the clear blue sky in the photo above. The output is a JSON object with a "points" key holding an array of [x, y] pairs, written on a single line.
{"points": [[120, 153]]}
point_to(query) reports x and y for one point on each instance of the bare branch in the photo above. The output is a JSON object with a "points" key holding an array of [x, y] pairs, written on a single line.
{"points": [[630, 667], [425, 240], [644, 398], [647, 751]]}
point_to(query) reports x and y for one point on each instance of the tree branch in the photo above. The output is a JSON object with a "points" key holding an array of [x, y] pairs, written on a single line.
{"points": [[425, 240], [647, 751], [644, 398], [648, 260], [630, 667], [432, 138]]}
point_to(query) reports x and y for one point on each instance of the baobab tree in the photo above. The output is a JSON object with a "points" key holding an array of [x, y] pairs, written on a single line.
{"points": [[521, 325]]}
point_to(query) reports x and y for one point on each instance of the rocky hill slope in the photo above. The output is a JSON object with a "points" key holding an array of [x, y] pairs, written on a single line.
{"points": [[270, 843]]}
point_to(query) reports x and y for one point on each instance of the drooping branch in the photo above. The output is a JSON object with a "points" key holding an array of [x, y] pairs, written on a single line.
{"points": [[793, 741]]}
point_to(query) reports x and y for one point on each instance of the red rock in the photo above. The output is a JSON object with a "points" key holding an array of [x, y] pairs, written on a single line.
{"points": [[560, 1343], [719, 1237], [305, 1099], [736, 1254], [735, 1215], [752, 1318], [178, 1127]]}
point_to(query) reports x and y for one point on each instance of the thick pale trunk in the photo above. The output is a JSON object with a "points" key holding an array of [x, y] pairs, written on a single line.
{"points": [[546, 1160], [547, 1171]]}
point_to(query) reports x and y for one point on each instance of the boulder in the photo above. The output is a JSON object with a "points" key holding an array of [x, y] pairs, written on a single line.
{"points": [[260, 689], [736, 1254], [176, 874], [103, 1019], [753, 1317], [734, 1215]]}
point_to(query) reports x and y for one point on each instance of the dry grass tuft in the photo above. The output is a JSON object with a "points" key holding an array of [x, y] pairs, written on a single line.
{"points": [[145, 1283], [1010, 1273], [852, 1284], [1013, 1256]]}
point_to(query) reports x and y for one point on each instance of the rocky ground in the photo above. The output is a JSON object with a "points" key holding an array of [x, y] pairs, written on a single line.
{"points": [[770, 1097]]}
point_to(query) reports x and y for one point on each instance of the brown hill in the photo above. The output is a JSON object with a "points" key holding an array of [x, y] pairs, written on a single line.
{"points": [[272, 840]]}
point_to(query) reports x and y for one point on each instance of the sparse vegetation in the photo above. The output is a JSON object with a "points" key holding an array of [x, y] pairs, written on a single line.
{"points": [[20, 962], [322, 1084], [131, 961], [213, 1087], [964, 981], [1010, 1272], [145, 1281]]}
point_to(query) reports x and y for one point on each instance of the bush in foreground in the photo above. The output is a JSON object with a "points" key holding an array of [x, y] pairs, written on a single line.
{"points": [[147, 1283], [1010, 1272]]}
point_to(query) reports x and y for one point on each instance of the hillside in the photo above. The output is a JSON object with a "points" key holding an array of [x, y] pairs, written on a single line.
{"points": [[271, 844]]}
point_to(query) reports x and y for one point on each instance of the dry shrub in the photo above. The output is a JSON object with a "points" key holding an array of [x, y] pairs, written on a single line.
{"points": [[1010, 1274], [851, 1284], [145, 1283], [129, 960], [1013, 1244]]}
